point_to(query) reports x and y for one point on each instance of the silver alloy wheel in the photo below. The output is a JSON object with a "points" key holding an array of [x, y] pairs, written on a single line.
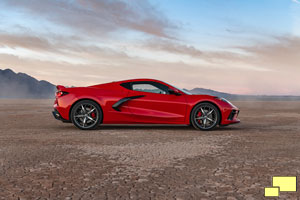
{"points": [[206, 117], [86, 115]]}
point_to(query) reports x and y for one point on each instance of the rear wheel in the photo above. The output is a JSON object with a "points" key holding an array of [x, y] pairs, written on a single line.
{"points": [[86, 115], [205, 116]]}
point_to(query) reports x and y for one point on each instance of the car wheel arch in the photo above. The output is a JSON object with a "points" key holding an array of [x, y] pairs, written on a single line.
{"points": [[78, 100], [210, 103]]}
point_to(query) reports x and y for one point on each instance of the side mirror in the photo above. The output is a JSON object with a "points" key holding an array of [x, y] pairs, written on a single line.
{"points": [[174, 92]]}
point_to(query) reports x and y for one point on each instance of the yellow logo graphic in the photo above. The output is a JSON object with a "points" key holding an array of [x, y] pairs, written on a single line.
{"points": [[281, 184]]}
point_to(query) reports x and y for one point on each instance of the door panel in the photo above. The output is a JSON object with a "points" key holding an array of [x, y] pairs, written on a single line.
{"points": [[157, 108]]}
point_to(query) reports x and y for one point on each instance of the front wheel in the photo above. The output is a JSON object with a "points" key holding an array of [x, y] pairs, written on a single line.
{"points": [[205, 116], [86, 115]]}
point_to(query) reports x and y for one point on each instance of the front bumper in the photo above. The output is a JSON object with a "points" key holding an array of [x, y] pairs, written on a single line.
{"points": [[233, 114], [231, 117], [59, 117]]}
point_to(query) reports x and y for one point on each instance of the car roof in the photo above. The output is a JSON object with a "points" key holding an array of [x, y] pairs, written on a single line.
{"points": [[125, 81], [139, 79]]}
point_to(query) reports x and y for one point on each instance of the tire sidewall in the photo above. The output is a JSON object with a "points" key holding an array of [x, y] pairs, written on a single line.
{"points": [[99, 120], [193, 113]]}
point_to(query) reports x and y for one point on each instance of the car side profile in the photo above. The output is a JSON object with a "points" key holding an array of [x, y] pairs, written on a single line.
{"points": [[141, 101]]}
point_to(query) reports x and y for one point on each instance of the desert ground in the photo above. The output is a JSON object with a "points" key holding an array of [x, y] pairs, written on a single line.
{"points": [[42, 158]]}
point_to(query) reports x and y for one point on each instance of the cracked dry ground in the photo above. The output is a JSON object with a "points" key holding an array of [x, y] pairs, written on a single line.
{"points": [[41, 158]]}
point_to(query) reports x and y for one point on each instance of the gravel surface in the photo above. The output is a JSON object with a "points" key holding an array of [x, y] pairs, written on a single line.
{"points": [[42, 158]]}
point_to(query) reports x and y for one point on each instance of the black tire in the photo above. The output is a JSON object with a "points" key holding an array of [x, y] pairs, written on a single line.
{"points": [[200, 124], [86, 115]]}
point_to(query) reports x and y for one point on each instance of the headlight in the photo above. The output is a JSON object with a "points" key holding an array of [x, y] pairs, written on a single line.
{"points": [[225, 100]]}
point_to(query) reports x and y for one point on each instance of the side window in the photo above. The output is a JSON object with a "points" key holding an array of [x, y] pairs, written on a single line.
{"points": [[147, 87]]}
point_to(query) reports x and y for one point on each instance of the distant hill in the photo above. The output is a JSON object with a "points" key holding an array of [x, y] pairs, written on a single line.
{"points": [[20, 85], [237, 97]]}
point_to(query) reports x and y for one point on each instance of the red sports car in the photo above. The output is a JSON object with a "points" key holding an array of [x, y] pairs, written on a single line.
{"points": [[140, 101]]}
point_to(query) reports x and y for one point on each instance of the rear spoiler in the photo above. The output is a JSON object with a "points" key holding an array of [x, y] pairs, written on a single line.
{"points": [[60, 87]]}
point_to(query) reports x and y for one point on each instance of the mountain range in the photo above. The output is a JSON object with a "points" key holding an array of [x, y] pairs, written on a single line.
{"points": [[21, 85]]}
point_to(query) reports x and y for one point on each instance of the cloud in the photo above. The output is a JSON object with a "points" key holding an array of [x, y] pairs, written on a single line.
{"points": [[56, 48], [75, 48], [282, 54], [296, 1], [99, 18], [215, 59], [231, 74], [173, 47], [25, 41]]}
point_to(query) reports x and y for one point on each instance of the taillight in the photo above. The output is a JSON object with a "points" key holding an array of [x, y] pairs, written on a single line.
{"points": [[61, 93]]}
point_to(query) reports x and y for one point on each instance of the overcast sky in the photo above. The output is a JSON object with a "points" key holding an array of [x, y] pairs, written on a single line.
{"points": [[236, 46]]}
